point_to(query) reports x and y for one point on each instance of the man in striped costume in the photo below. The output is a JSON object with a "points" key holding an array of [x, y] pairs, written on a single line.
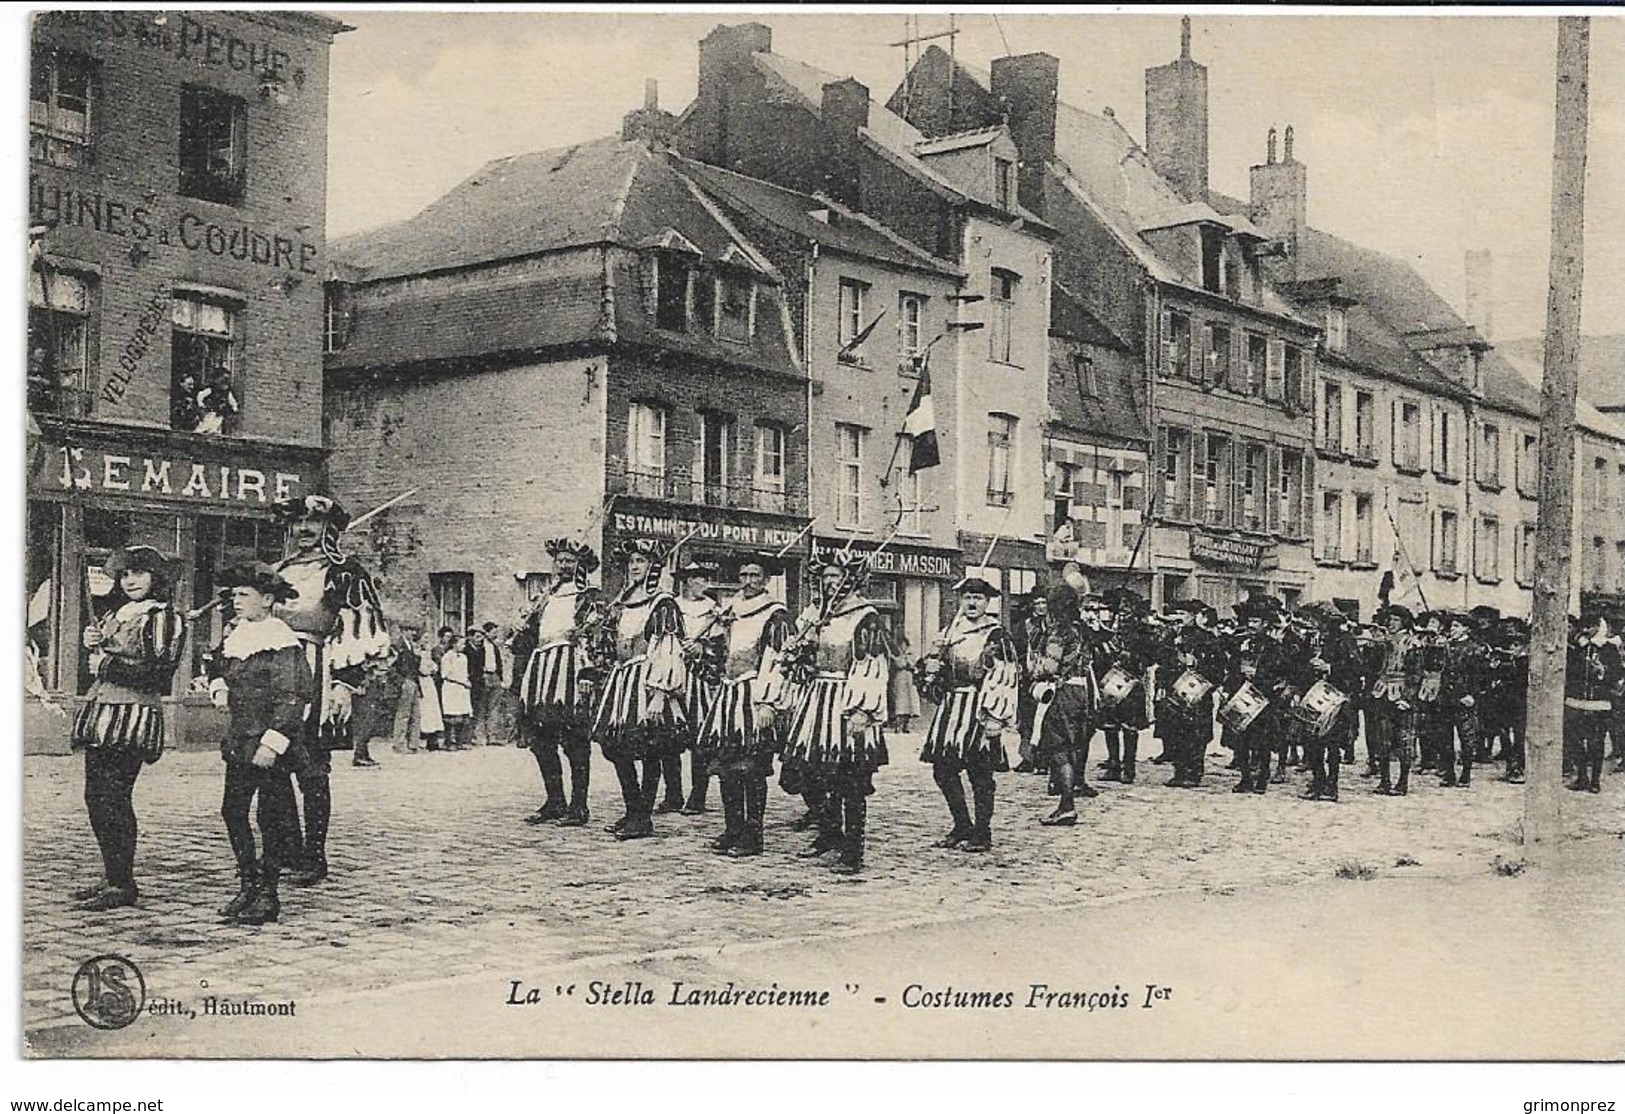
{"points": [[739, 734], [340, 623], [704, 641], [842, 653], [973, 676], [553, 679]]}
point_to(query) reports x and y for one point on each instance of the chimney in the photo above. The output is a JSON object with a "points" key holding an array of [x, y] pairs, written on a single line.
{"points": [[1176, 120], [844, 110], [1481, 292], [649, 123], [726, 77], [1025, 87], [1278, 200]]}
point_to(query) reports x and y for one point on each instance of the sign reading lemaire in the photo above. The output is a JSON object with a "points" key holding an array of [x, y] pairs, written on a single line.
{"points": [[899, 560], [166, 475], [1237, 553]]}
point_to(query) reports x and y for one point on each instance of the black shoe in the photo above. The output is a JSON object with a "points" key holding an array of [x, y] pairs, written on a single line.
{"points": [[1243, 787], [549, 812], [1059, 819], [1594, 787], [636, 828], [724, 843], [85, 893], [263, 909], [694, 808], [1260, 787], [575, 818], [245, 895], [1087, 791], [819, 847], [669, 805], [1579, 786], [365, 762], [1025, 767], [1309, 795], [619, 825], [953, 839], [847, 865], [745, 849], [1158, 759], [1178, 781], [978, 844], [113, 897], [312, 874]]}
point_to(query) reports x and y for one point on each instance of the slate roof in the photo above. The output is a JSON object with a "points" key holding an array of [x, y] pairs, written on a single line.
{"points": [[580, 214], [841, 229], [1602, 366], [1113, 410]]}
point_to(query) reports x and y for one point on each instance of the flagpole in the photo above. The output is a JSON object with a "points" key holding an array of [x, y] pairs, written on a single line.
{"points": [[923, 361], [1399, 544]]}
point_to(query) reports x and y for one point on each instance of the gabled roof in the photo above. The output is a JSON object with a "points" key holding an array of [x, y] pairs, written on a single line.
{"points": [[1602, 365], [1518, 379], [608, 191], [815, 218], [887, 133]]}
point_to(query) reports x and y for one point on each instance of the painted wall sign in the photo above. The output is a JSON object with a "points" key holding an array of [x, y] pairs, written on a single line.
{"points": [[675, 527], [98, 470], [154, 318], [1239, 553], [182, 36], [58, 205], [899, 561]]}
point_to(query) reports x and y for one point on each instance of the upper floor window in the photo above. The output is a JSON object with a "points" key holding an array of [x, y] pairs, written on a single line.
{"points": [[1447, 561], [1330, 534], [1083, 368], [1176, 344], [1176, 473], [849, 441], [1297, 383], [646, 448], [1489, 455], [910, 323], [852, 310], [1596, 494], [1216, 481], [213, 145], [452, 594], [1292, 492], [1487, 549], [335, 319], [1001, 438], [1337, 329], [1407, 434], [203, 343], [1213, 261], [1528, 464], [770, 467], [1331, 417], [714, 462], [1365, 425], [1002, 326], [1257, 364], [1218, 354], [1255, 466], [62, 91], [672, 277], [1444, 444], [1004, 173], [1363, 527], [736, 308], [58, 343]]}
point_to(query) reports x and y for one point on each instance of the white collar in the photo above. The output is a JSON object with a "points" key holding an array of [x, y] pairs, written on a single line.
{"points": [[763, 601], [132, 608], [247, 639]]}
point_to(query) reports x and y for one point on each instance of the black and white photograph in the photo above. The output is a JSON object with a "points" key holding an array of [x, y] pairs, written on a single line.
{"points": [[821, 533]]}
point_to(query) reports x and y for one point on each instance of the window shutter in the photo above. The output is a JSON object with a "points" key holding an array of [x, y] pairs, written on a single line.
{"points": [[1198, 473], [1308, 496], [1275, 371], [1394, 436], [1272, 488], [1237, 494], [1433, 540], [1166, 344], [1201, 344]]}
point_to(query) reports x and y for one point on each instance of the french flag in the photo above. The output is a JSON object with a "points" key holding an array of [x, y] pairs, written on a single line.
{"points": [[920, 426]]}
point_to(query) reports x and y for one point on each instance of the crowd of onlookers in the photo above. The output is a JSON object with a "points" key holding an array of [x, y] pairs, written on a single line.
{"points": [[449, 691]]}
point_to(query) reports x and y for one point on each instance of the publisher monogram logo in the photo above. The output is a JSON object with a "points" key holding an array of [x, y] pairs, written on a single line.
{"points": [[108, 992]]}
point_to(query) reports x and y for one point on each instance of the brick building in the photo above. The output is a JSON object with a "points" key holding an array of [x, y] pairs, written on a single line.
{"points": [[770, 117], [571, 342], [1168, 297], [844, 272], [177, 197]]}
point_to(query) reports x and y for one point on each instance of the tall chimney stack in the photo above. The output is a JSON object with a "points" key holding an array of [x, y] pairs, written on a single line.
{"points": [[1481, 292], [1176, 120], [1026, 87], [1278, 200], [843, 110]]}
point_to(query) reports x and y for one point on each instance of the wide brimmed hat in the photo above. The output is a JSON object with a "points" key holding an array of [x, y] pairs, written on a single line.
{"points": [[324, 507], [586, 559], [260, 577], [1126, 601], [1259, 606], [1323, 614], [976, 586], [656, 552], [695, 566], [138, 558], [846, 560], [1385, 613], [769, 566]]}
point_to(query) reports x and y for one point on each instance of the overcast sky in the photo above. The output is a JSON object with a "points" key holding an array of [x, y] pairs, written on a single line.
{"points": [[1423, 137]]}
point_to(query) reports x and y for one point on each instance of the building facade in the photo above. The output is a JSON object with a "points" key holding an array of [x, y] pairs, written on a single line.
{"points": [[177, 168], [572, 343]]}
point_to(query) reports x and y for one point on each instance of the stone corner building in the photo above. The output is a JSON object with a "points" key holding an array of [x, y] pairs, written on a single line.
{"points": [[572, 342], [177, 201]]}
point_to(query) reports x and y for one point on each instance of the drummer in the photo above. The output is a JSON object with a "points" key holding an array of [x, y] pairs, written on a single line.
{"points": [[1249, 719], [1192, 661], [1339, 663]]}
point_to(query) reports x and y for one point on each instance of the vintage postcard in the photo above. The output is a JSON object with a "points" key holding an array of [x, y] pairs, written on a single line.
{"points": [[823, 534]]}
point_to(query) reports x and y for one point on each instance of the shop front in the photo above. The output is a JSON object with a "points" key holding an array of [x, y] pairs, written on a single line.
{"points": [[719, 534], [911, 582], [205, 502], [1221, 569]]}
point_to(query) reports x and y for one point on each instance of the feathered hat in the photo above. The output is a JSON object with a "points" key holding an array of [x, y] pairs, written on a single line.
{"points": [[260, 577], [657, 554], [586, 560], [140, 558], [853, 567], [326, 510]]}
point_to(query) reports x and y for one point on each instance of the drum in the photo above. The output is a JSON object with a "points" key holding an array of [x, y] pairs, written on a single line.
{"points": [[1191, 689], [1116, 684], [1320, 706], [1239, 712]]}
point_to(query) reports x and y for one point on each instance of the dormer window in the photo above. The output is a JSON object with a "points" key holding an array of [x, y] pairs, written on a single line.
{"points": [[736, 308], [1337, 329], [671, 293], [1214, 271], [1004, 175]]}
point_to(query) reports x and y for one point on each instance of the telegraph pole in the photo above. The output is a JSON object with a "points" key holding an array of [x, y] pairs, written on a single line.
{"points": [[1548, 641]]}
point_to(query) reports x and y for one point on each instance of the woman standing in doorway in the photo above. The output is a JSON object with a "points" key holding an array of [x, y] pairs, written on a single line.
{"points": [[134, 651]]}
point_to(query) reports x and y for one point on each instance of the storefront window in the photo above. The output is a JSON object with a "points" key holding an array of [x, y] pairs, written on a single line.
{"points": [[105, 531], [44, 619]]}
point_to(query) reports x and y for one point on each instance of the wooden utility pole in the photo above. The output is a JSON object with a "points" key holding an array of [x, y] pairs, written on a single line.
{"points": [[1548, 643]]}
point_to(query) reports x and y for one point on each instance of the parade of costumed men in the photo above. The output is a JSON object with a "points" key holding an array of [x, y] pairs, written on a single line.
{"points": [[973, 676], [840, 661], [1331, 720], [1126, 654], [135, 648], [1192, 664], [640, 719], [1595, 684], [335, 611], [554, 678], [261, 675], [740, 734]]}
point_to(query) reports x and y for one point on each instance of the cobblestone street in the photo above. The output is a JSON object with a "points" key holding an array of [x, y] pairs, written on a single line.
{"points": [[434, 875]]}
